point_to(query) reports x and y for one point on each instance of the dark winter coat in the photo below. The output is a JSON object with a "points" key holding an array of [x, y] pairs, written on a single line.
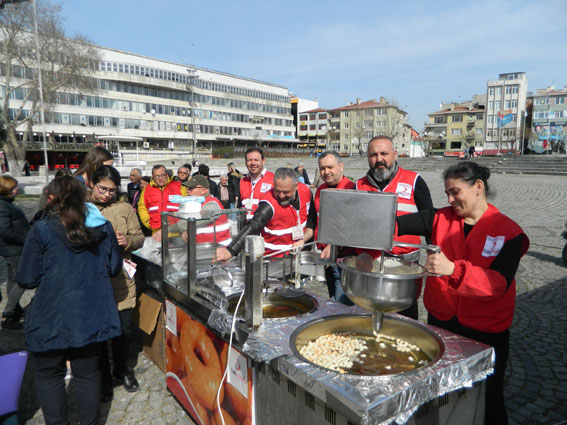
{"points": [[74, 303], [14, 228]]}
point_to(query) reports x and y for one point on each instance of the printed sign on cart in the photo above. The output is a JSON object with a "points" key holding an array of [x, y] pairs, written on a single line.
{"points": [[238, 372], [170, 317]]}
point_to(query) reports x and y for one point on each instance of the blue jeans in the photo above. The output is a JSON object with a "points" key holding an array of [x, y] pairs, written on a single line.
{"points": [[334, 286]]}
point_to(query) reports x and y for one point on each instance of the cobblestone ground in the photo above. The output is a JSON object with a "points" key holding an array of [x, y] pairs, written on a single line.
{"points": [[536, 374]]}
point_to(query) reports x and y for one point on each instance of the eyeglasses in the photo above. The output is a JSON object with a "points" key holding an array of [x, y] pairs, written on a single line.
{"points": [[104, 190], [160, 176]]}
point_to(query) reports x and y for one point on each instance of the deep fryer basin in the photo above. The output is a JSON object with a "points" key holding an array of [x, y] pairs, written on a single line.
{"points": [[275, 306], [396, 327]]}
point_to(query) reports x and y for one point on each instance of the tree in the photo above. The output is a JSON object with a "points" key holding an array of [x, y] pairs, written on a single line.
{"points": [[66, 66]]}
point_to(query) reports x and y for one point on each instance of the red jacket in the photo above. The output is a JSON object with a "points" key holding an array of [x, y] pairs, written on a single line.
{"points": [[250, 194], [206, 234], [157, 200], [278, 232], [345, 183], [403, 184], [477, 296]]}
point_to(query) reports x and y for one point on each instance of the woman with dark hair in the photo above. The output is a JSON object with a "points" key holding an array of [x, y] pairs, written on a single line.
{"points": [[105, 194], [94, 158], [481, 249], [43, 197], [69, 256], [14, 228]]}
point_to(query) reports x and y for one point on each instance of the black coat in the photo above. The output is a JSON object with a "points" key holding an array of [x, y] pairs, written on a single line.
{"points": [[234, 183], [74, 303], [217, 194], [132, 189], [14, 228], [304, 175]]}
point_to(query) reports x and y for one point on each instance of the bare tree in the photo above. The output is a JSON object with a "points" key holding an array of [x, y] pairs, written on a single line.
{"points": [[66, 64]]}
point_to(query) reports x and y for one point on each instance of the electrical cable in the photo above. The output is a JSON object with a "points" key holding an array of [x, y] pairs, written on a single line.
{"points": [[228, 356]]}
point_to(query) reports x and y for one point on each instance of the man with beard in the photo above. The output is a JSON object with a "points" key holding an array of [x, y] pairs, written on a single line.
{"points": [[280, 218], [385, 175]]}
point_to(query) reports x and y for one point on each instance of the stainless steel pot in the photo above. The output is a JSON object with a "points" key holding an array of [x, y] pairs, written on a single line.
{"points": [[394, 290]]}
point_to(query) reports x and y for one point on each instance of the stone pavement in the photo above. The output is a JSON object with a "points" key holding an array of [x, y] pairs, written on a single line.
{"points": [[537, 370]]}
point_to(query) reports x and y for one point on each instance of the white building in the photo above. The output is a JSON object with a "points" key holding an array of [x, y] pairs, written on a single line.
{"points": [[505, 112], [175, 111]]}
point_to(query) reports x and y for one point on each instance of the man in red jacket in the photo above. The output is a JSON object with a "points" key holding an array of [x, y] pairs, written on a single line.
{"points": [[280, 218], [385, 175], [331, 169], [155, 199], [257, 182]]}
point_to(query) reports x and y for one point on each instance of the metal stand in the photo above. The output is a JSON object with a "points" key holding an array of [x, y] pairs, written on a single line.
{"points": [[254, 253]]}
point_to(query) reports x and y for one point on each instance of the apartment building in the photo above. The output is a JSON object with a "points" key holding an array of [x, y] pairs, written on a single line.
{"points": [[352, 126], [454, 128], [549, 120], [170, 109], [505, 113], [312, 130]]}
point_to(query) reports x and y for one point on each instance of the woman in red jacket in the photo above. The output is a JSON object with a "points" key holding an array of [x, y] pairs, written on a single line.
{"points": [[480, 252]]}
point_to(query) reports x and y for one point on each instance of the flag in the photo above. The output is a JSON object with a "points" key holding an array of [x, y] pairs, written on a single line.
{"points": [[505, 119]]}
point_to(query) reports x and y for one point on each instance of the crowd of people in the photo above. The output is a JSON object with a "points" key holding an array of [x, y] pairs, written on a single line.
{"points": [[76, 254]]}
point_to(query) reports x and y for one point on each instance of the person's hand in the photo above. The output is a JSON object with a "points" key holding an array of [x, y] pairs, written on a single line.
{"points": [[298, 243], [439, 264], [184, 235], [222, 254], [326, 252], [157, 236], [122, 239]]}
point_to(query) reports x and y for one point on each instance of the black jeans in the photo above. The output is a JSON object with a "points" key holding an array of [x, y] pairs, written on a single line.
{"points": [[50, 370], [495, 408], [120, 352]]}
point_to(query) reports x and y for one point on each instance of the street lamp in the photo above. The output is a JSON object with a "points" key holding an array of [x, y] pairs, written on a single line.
{"points": [[41, 106], [191, 88]]}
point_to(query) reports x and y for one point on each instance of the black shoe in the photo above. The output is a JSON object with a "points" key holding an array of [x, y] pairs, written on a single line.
{"points": [[106, 397], [11, 323], [130, 382], [16, 313]]}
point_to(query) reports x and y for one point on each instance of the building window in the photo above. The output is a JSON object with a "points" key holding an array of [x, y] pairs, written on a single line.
{"points": [[322, 116], [303, 117], [497, 105], [303, 127], [312, 117], [491, 105], [345, 114], [456, 132], [439, 120], [456, 145], [457, 118], [491, 91], [478, 131], [559, 100], [312, 127], [479, 116], [514, 104], [498, 91], [490, 119], [345, 125]]}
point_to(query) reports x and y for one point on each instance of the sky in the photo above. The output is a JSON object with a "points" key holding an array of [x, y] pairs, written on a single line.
{"points": [[416, 54]]}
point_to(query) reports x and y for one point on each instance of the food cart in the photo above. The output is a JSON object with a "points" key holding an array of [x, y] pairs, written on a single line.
{"points": [[251, 369]]}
